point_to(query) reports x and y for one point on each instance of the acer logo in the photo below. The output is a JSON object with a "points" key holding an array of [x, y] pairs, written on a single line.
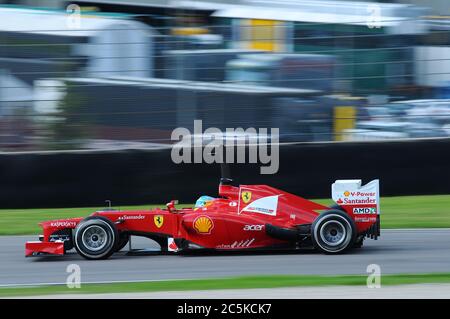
{"points": [[253, 227]]}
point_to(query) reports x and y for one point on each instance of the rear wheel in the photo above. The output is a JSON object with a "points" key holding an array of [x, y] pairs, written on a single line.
{"points": [[359, 242], [333, 232], [96, 237], [337, 207]]}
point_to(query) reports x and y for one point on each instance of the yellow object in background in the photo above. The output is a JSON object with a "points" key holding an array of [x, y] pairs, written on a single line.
{"points": [[344, 118], [185, 31], [89, 9], [263, 35]]}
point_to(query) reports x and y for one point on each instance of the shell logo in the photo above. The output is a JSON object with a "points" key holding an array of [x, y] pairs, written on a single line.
{"points": [[203, 225], [346, 193]]}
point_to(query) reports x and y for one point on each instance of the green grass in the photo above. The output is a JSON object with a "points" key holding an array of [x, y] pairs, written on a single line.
{"points": [[396, 212], [247, 282]]}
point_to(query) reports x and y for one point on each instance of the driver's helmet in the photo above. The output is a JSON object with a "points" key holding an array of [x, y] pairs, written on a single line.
{"points": [[203, 201]]}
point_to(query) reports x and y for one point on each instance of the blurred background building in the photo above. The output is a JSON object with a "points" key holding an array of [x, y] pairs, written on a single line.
{"points": [[102, 74]]}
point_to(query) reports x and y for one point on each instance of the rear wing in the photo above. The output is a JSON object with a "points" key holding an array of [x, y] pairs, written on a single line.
{"points": [[361, 202], [346, 192]]}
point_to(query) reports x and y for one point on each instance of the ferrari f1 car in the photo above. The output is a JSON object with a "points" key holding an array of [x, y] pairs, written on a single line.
{"points": [[245, 217]]}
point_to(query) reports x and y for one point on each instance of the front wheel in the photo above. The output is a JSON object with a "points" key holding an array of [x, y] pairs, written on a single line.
{"points": [[95, 237], [333, 232], [124, 238]]}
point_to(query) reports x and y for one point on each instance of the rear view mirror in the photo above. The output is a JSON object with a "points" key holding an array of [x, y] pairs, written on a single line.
{"points": [[171, 205]]}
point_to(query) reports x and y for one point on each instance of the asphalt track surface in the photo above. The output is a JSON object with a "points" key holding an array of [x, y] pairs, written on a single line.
{"points": [[397, 251], [420, 291]]}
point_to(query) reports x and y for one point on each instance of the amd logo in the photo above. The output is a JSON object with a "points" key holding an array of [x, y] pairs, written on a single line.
{"points": [[364, 210]]}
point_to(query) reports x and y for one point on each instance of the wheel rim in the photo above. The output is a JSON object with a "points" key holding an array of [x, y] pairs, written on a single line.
{"points": [[94, 238], [333, 233]]}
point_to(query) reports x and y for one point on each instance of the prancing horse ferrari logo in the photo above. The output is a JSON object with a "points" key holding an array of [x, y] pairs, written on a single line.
{"points": [[159, 220], [246, 196]]}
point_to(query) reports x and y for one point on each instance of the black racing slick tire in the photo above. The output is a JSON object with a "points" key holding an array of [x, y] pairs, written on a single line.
{"points": [[95, 237], [333, 232], [337, 207], [123, 241], [359, 241]]}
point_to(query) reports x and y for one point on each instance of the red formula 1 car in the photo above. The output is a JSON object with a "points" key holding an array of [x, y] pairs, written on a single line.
{"points": [[241, 218]]}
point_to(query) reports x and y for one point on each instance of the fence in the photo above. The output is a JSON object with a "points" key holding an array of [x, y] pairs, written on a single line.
{"points": [[66, 179]]}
